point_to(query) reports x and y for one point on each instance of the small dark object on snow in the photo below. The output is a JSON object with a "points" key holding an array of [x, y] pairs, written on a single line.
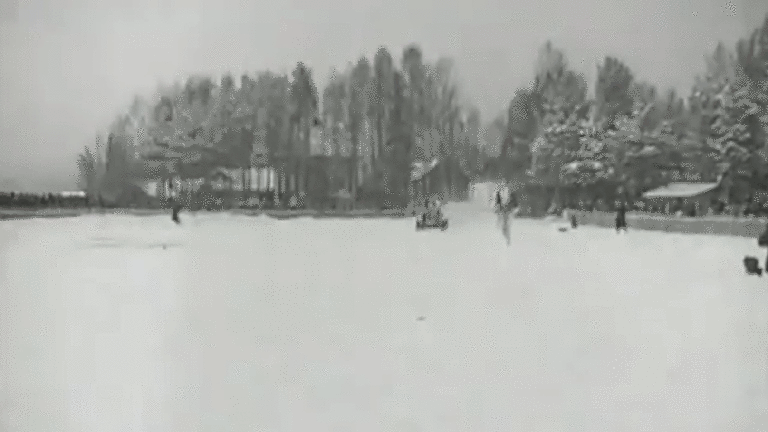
{"points": [[421, 224], [574, 222], [421, 318], [752, 266], [432, 218]]}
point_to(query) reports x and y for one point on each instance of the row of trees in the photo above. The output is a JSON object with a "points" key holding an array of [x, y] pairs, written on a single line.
{"points": [[379, 116], [630, 137]]}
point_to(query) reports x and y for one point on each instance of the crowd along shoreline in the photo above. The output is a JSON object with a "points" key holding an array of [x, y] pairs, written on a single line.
{"points": [[711, 225]]}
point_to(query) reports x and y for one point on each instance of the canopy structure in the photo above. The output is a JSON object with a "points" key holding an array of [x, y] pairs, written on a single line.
{"points": [[575, 166], [220, 174], [681, 190]]}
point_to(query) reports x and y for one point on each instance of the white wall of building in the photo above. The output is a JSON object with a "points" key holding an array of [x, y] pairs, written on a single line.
{"points": [[483, 193]]}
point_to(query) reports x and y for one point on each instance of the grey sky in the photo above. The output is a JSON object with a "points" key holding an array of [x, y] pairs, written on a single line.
{"points": [[67, 66]]}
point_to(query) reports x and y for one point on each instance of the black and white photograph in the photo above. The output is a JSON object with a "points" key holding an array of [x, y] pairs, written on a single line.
{"points": [[404, 216]]}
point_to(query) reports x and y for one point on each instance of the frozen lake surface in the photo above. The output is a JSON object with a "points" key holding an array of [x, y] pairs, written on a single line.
{"points": [[253, 324]]}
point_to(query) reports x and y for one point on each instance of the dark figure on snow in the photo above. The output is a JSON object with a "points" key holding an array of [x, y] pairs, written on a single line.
{"points": [[498, 207], [505, 211], [174, 202], [621, 217]]}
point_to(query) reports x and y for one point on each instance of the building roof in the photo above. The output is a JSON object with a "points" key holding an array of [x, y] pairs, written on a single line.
{"points": [[222, 174], [420, 169], [681, 190]]}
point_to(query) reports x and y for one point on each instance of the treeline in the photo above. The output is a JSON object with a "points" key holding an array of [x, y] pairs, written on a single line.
{"points": [[632, 137], [367, 126], [376, 117], [22, 200]]}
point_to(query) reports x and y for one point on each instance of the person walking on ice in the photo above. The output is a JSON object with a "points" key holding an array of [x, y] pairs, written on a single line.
{"points": [[173, 200], [507, 207], [501, 200], [621, 217]]}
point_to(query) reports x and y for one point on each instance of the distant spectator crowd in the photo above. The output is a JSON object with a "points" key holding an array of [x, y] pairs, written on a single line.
{"points": [[672, 207]]}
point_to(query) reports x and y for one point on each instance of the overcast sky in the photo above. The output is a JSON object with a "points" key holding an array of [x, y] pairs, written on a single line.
{"points": [[67, 66]]}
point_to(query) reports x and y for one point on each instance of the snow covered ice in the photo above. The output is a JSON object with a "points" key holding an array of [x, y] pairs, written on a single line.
{"points": [[254, 324]]}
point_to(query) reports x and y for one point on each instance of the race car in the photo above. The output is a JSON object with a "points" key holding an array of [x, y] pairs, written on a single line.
{"points": [[432, 218]]}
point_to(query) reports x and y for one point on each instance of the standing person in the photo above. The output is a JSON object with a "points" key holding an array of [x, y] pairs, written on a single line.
{"points": [[425, 215], [174, 202], [438, 216], [507, 208], [498, 206], [573, 220], [621, 217], [505, 225]]}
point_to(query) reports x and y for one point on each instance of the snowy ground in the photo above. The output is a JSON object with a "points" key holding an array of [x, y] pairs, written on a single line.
{"points": [[253, 324]]}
